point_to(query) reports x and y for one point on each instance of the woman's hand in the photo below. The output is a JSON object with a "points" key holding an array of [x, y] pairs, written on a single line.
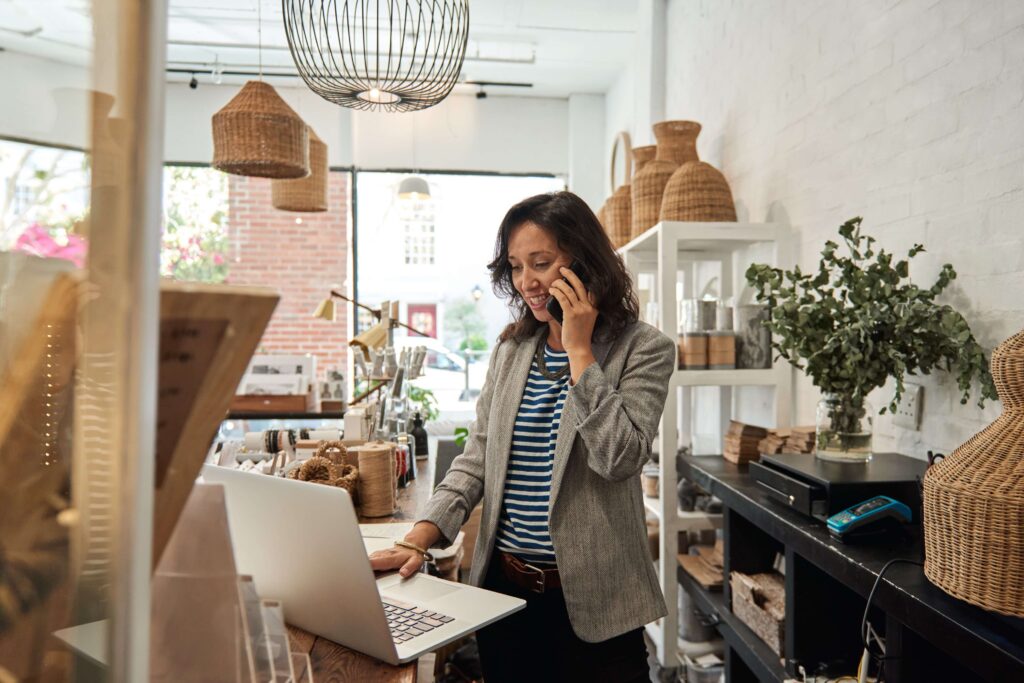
{"points": [[406, 560], [579, 316]]}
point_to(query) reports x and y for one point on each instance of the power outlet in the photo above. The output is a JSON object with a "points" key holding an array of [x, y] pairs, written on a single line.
{"points": [[908, 412]]}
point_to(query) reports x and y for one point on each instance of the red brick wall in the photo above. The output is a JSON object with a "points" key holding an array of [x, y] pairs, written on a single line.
{"points": [[300, 261]]}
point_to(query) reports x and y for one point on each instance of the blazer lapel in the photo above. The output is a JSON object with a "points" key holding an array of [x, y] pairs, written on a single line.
{"points": [[567, 428], [503, 416]]}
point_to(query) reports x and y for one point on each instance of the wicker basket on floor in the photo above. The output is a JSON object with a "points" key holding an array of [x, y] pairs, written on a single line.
{"points": [[974, 502], [258, 134], [698, 191], [309, 194]]}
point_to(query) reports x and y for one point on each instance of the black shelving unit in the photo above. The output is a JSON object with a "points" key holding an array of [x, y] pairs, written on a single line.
{"points": [[758, 658], [930, 635]]}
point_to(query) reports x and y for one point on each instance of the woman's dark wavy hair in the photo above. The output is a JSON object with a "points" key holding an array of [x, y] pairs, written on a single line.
{"points": [[579, 233]]}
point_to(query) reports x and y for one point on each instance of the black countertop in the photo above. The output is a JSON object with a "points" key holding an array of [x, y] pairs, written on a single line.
{"points": [[991, 644]]}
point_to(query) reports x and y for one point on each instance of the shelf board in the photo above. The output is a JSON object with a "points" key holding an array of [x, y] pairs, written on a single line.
{"points": [[686, 520], [765, 664], [724, 378], [703, 237]]}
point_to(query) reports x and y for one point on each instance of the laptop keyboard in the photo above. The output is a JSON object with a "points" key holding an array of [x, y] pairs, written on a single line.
{"points": [[408, 621]]}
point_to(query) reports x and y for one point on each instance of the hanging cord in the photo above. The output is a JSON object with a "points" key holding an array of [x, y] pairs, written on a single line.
{"points": [[259, 33], [880, 656]]}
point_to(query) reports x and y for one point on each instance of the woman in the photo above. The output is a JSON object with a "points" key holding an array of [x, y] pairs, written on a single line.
{"points": [[564, 424]]}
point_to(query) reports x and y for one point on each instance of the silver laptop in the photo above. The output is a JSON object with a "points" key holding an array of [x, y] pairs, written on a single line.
{"points": [[302, 545]]}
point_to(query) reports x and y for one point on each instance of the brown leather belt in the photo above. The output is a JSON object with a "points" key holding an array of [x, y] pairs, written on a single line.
{"points": [[527, 576]]}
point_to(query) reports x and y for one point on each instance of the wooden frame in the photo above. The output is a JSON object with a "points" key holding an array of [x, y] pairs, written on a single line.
{"points": [[208, 333]]}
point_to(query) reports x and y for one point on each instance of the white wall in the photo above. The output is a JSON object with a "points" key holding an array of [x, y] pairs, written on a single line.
{"points": [[463, 133], [586, 153], [45, 100], [908, 113]]}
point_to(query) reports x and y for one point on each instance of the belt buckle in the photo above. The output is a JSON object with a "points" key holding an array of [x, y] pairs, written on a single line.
{"points": [[539, 586]]}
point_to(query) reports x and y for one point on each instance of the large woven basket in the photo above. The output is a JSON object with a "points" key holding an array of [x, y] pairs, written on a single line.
{"points": [[258, 134], [307, 194], [642, 155], [974, 502], [697, 191]]}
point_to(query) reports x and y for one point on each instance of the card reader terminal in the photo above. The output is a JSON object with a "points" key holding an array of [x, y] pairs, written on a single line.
{"points": [[874, 513]]}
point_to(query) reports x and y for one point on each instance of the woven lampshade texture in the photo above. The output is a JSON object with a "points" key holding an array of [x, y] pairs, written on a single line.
{"points": [[974, 502], [258, 134], [307, 194], [698, 191]]}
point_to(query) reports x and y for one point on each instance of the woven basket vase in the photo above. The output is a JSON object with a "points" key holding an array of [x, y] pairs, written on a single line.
{"points": [[621, 204], [698, 191], [974, 502], [258, 134], [307, 194], [677, 144]]}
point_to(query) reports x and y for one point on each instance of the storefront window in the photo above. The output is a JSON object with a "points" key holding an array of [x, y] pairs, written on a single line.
{"points": [[441, 246]]}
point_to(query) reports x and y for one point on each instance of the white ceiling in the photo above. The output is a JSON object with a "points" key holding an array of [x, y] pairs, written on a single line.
{"points": [[559, 46]]}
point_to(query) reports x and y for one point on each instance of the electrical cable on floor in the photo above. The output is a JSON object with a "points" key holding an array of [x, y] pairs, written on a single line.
{"points": [[867, 632]]}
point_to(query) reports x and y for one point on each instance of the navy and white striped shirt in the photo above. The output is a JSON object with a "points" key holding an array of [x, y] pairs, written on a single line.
{"points": [[523, 529]]}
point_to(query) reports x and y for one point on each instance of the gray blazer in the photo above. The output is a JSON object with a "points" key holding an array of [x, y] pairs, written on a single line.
{"points": [[597, 523]]}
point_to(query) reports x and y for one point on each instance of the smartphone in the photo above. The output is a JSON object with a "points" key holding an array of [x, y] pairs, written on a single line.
{"points": [[555, 308]]}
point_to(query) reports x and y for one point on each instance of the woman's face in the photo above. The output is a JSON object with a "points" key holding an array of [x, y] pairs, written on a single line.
{"points": [[535, 259]]}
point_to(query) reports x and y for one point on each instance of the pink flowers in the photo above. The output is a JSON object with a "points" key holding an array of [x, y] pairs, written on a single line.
{"points": [[38, 241]]}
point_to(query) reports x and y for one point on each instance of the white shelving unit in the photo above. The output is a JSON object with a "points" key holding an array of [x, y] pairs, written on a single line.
{"points": [[666, 251]]}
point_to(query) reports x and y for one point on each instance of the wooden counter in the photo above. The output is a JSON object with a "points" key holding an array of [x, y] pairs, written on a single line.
{"points": [[333, 663]]}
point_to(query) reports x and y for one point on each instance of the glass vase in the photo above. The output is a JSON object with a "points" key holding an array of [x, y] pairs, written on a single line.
{"points": [[844, 428]]}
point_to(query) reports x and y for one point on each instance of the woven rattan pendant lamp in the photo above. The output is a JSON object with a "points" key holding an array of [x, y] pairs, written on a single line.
{"points": [[258, 134], [390, 55], [307, 194]]}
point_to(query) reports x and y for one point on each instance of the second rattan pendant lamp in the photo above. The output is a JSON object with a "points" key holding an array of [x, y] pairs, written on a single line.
{"points": [[258, 134], [307, 194]]}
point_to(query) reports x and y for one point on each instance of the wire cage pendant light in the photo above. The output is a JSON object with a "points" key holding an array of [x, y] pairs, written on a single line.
{"points": [[387, 55]]}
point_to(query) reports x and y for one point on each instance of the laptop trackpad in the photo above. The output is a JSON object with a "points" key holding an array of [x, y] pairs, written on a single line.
{"points": [[414, 590]]}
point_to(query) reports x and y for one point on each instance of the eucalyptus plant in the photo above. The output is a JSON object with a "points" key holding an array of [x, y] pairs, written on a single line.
{"points": [[860, 319]]}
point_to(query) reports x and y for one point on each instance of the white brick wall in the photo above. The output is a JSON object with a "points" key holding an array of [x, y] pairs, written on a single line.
{"points": [[910, 113]]}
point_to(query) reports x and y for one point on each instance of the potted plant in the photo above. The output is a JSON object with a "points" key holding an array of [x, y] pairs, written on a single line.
{"points": [[856, 322]]}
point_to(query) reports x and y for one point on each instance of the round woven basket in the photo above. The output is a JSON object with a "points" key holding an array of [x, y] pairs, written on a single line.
{"points": [[307, 194], [974, 502], [697, 191], [258, 134]]}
